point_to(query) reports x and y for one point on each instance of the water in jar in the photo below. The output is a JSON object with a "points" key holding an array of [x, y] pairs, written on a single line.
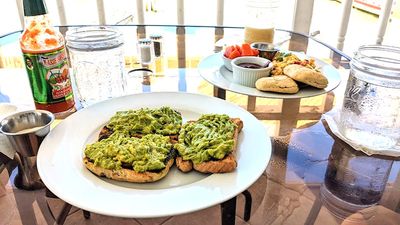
{"points": [[370, 114], [96, 76], [97, 61]]}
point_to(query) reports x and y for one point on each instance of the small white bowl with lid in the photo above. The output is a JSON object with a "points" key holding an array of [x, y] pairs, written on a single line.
{"points": [[248, 69]]}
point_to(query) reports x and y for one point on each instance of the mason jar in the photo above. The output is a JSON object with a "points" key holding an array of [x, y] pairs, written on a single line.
{"points": [[370, 115], [97, 61]]}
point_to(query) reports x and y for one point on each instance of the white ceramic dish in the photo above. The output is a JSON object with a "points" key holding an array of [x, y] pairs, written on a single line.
{"points": [[61, 168], [248, 76], [227, 63], [211, 69]]}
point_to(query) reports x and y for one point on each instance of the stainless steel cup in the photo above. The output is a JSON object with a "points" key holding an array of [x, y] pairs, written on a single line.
{"points": [[26, 131], [266, 50]]}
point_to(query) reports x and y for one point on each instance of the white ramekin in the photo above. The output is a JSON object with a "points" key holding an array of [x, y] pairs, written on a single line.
{"points": [[227, 62], [248, 76]]}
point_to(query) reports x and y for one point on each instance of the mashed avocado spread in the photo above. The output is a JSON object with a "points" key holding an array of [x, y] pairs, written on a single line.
{"points": [[210, 137], [164, 121], [140, 154]]}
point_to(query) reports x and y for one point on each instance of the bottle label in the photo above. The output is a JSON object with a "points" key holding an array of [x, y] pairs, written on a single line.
{"points": [[49, 76]]}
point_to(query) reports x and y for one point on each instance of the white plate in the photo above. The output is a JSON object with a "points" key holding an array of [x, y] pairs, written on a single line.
{"points": [[61, 168], [212, 69]]}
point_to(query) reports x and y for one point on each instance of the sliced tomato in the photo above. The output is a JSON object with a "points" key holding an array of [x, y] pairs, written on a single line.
{"points": [[228, 51], [255, 52], [246, 50], [234, 54], [237, 47]]}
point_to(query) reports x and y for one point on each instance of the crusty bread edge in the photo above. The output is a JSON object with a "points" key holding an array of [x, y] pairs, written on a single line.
{"points": [[225, 165], [127, 174]]}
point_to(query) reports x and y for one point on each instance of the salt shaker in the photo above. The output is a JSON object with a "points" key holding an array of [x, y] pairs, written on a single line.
{"points": [[146, 51]]}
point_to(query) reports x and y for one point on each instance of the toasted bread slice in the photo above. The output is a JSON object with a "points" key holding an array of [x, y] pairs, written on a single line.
{"points": [[183, 165], [129, 175], [225, 165]]}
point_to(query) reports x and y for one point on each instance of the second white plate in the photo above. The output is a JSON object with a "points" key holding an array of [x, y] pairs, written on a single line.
{"points": [[212, 69]]}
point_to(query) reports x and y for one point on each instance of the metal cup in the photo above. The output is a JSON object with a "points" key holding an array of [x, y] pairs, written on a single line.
{"points": [[26, 131], [266, 50]]}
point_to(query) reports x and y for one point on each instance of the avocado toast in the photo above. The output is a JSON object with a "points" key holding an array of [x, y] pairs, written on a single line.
{"points": [[208, 145], [135, 145]]}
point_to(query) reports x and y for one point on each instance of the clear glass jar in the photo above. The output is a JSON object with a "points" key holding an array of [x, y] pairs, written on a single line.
{"points": [[370, 114], [97, 60], [260, 20]]}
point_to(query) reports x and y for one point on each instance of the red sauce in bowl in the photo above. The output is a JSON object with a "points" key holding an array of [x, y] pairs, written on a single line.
{"points": [[250, 65]]}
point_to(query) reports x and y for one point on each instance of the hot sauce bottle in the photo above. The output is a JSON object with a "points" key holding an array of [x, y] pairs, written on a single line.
{"points": [[45, 58]]}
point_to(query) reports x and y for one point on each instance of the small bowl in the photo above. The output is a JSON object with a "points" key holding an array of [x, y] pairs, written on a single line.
{"points": [[266, 50], [249, 76], [227, 62]]}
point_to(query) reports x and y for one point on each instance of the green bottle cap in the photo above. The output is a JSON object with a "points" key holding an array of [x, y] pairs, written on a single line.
{"points": [[34, 7]]}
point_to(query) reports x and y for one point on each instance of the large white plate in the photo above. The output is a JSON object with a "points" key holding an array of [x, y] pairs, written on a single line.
{"points": [[213, 70], [61, 169]]}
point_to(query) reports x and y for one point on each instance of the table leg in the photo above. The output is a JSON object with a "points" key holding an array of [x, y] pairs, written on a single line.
{"points": [[86, 214], [247, 205], [251, 103], [228, 212], [64, 213], [219, 93]]}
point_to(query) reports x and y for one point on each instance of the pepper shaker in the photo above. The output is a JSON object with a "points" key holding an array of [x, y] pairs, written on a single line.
{"points": [[157, 43]]}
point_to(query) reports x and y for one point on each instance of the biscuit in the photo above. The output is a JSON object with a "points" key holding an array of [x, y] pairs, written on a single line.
{"points": [[279, 83], [306, 75]]}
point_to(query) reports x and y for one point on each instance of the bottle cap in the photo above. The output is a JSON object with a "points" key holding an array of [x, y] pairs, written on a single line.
{"points": [[34, 7]]}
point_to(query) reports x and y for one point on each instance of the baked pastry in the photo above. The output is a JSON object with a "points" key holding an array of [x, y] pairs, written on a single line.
{"points": [[135, 145], [208, 145], [278, 83], [306, 75]]}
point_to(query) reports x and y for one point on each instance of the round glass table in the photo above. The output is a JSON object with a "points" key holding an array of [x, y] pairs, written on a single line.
{"points": [[313, 177]]}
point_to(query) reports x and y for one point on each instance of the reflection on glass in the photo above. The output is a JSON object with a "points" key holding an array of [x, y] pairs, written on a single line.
{"points": [[139, 80], [353, 180]]}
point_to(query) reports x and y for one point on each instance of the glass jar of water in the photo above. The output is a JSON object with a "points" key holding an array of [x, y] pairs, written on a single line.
{"points": [[97, 59], [370, 114]]}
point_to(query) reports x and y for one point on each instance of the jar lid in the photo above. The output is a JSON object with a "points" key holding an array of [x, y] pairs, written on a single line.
{"points": [[94, 38], [379, 64]]}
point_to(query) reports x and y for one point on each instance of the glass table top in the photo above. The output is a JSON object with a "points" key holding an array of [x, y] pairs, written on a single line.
{"points": [[312, 178]]}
